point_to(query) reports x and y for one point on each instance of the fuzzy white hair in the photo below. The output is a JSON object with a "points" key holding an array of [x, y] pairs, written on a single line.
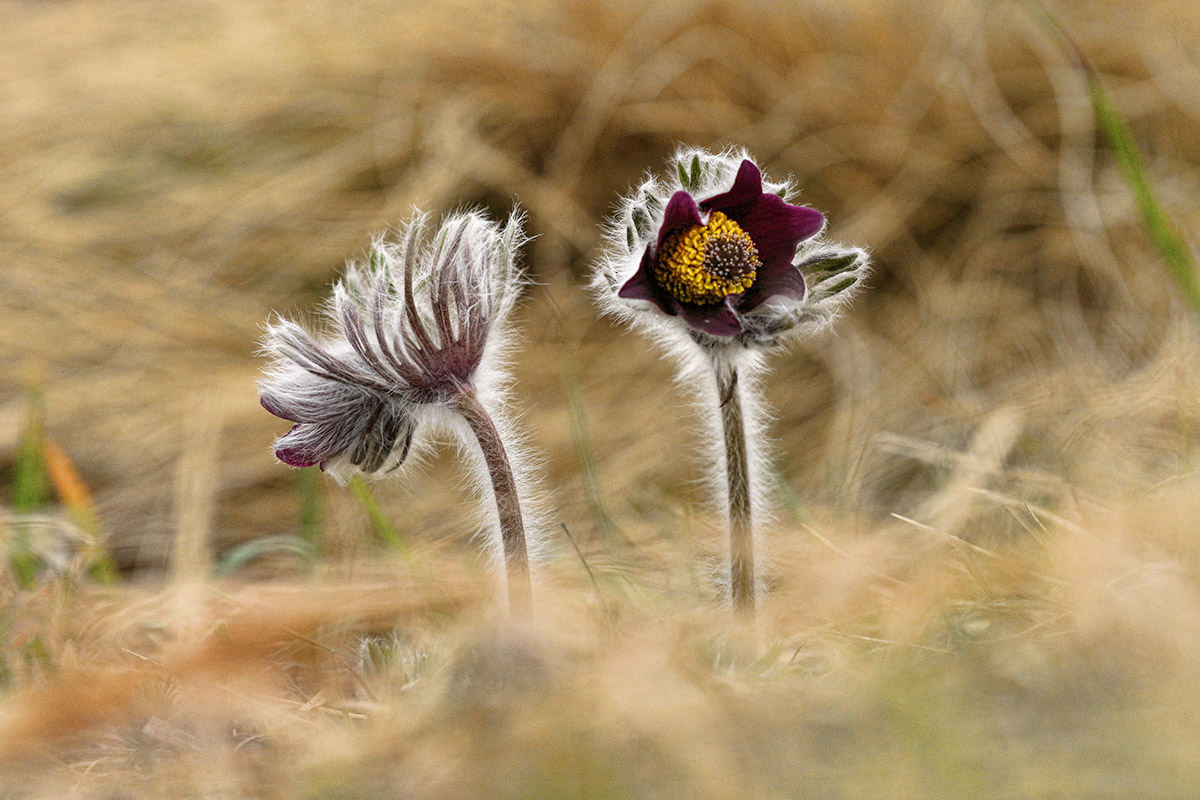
{"points": [[415, 328], [728, 369]]}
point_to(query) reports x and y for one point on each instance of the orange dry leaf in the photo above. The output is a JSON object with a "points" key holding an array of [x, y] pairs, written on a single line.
{"points": [[68, 486]]}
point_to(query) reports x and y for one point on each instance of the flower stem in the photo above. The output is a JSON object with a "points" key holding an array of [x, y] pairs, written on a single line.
{"points": [[508, 503], [737, 471]]}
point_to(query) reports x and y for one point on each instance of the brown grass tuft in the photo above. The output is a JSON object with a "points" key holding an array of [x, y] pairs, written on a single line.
{"points": [[983, 578]]}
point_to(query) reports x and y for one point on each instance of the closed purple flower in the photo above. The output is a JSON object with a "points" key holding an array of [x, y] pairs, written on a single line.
{"points": [[338, 415], [409, 330]]}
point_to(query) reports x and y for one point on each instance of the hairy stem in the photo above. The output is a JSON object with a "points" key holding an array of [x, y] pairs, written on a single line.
{"points": [[508, 504], [737, 471]]}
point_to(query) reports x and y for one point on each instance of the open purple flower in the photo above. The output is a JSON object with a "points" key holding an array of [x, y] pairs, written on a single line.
{"points": [[718, 248], [716, 266], [711, 271]]}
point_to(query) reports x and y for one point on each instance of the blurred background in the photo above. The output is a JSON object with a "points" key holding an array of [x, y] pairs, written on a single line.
{"points": [[175, 173], [1021, 377]]}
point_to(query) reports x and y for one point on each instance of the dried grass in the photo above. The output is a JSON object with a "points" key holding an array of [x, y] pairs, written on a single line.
{"points": [[984, 578]]}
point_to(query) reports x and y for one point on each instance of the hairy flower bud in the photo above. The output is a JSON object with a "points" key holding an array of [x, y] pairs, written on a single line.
{"points": [[409, 328]]}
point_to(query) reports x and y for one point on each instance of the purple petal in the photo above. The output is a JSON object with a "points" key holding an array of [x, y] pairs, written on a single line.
{"points": [[716, 320], [746, 189], [365, 433], [681, 213], [295, 456], [788, 282], [642, 286], [777, 228], [297, 395]]}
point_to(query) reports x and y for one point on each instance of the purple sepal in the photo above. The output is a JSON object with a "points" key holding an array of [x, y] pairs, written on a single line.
{"points": [[788, 282], [642, 285], [294, 456], [746, 190], [681, 213], [339, 421], [268, 401], [776, 226], [716, 320]]}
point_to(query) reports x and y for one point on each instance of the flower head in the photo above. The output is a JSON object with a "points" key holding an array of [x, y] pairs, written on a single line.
{"points": [[410, 328], [719, 253]]}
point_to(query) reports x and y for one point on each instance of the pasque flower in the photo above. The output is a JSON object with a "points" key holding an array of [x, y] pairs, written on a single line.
{"points": [[410, 328], [416, 330], [717, 251], [711, 272], [717, 264]]}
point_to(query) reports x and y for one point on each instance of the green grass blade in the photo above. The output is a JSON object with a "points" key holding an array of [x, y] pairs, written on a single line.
{"points": [[587, 460], [582, 558], [1164, 235], [308, 486], [31, 487], [31, 483], [237, 557], [1161, 230], [379, 523], [788, 497]]}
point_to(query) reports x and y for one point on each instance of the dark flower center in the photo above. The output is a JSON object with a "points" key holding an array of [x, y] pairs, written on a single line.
{"points": [[704, 264]]}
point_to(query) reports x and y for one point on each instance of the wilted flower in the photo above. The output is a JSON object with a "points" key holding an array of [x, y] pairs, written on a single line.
{"points": [[410, 327], [415, 332], [721, 250]]}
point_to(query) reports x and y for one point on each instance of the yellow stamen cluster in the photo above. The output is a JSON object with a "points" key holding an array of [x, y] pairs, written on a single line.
{"points": [[706, 263]]}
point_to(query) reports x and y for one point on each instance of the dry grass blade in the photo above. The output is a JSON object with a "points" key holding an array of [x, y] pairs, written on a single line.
{"points": [[998, 448], [235, 636]]}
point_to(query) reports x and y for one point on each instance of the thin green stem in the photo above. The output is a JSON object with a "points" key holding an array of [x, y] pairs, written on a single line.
{"points": [[508, 503], [737, 470]]}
